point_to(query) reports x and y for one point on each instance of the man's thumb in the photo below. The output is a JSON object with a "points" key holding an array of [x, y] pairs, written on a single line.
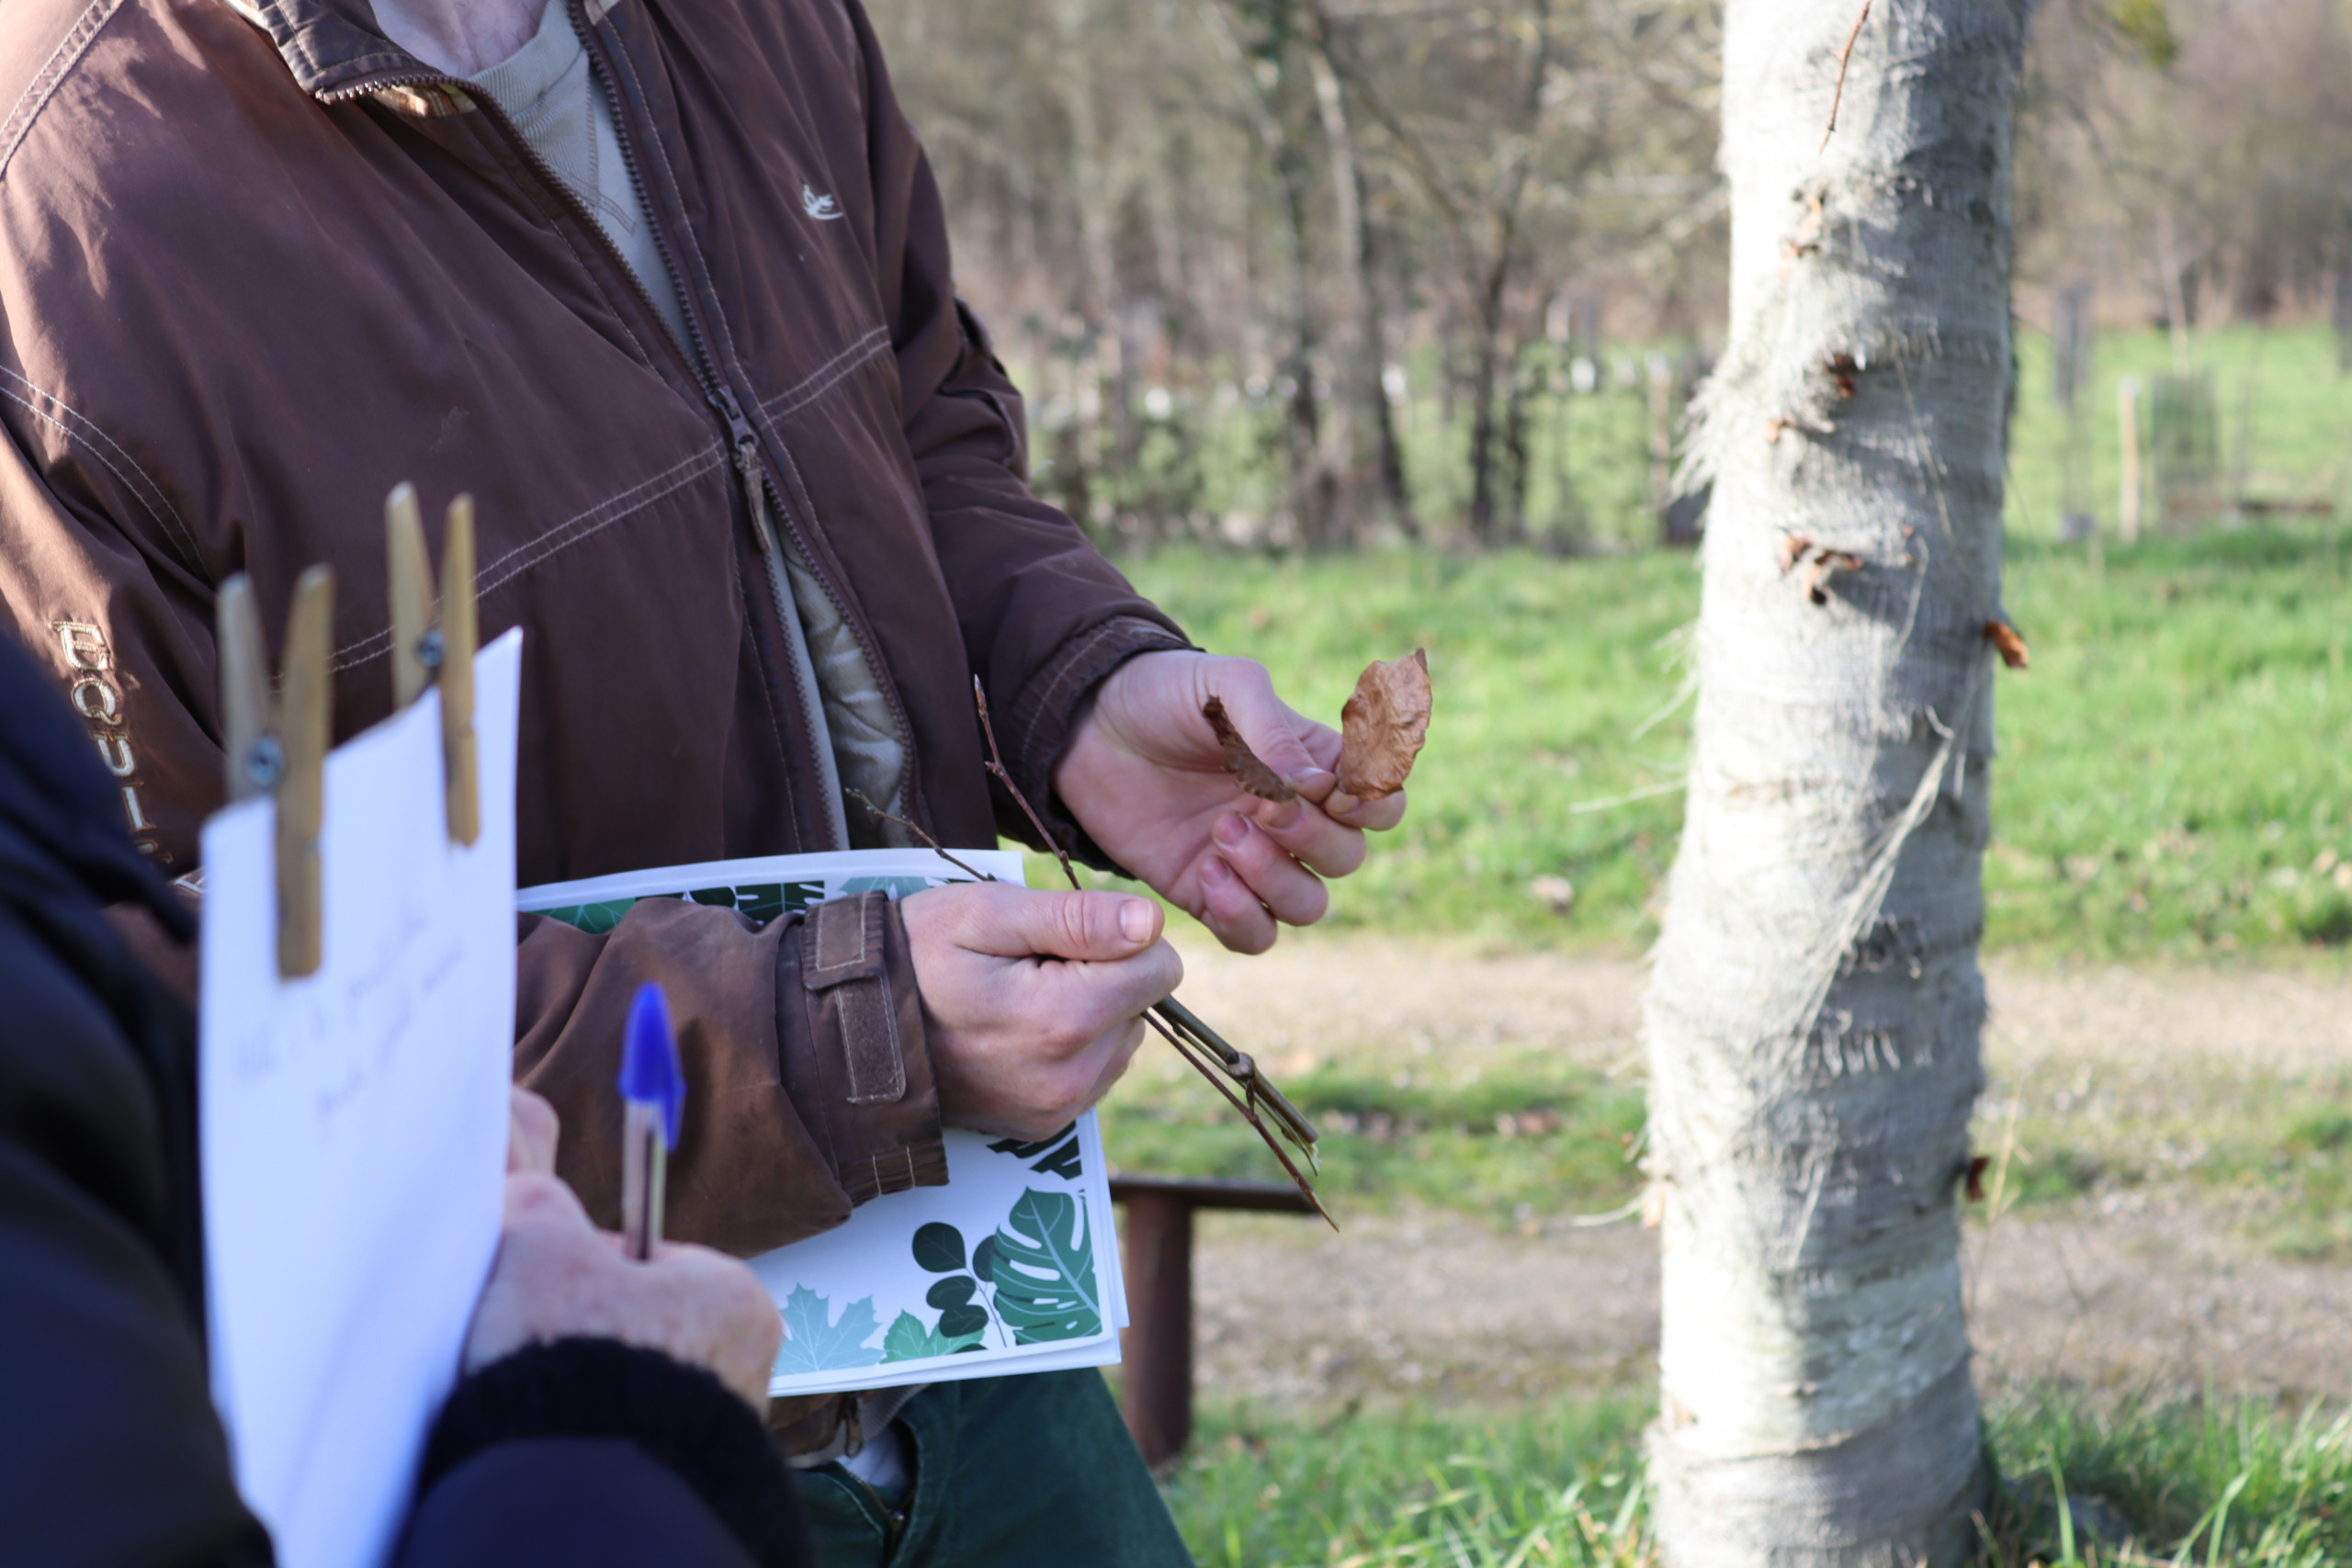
{"points": [[1102, 927], [1271, 731]]}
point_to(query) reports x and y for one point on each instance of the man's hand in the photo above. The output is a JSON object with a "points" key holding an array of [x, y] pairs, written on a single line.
{"points": [[1032, 1002], [1145, 775], [559, 1276]]}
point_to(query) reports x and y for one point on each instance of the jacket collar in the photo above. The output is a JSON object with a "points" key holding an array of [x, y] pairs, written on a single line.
{"points": [[335, 48]]}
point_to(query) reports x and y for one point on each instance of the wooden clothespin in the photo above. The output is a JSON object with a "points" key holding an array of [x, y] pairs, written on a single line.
{"points": [[426, 645], [282, 748]]}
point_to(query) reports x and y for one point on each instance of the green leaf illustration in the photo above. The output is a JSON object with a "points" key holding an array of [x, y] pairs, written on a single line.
{"points": [[963, 1322], [984, 1259], [908, 1340], [813, 1342], [1020, 1150], [593, 918], [1042, 1267], [939, 1248], [896, 886], [953, 1291], [1063, 1157]]}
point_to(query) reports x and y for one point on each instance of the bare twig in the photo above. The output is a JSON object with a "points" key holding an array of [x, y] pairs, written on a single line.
{"points": [[929, 842], [1244, 1070], [995, 765], [1837, 96], [1191, 1054], [1614, 1216], [1176, 1024]]}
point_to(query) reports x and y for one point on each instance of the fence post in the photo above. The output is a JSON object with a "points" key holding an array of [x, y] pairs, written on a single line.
{"points": [[1158, 1381], [1157, 1349]]}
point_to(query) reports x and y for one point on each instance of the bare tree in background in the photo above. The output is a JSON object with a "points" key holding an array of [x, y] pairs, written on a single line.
{"points": [[1479, 183], [2201, 148], [1540, 139], [1367, 358], [1180, 202], [1814, 1017], [1270, 72]]}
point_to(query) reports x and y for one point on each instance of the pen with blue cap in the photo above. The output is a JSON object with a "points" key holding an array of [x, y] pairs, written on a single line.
{"points": [[654, 1090]]}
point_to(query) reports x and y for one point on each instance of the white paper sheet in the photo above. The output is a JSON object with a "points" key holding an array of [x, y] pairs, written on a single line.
{"points": [[354, 1124], [857, 1302]]}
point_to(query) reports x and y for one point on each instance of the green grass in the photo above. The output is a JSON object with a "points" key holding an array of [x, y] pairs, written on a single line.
{"points": [[2173, 776], [2174, 772], [2172, 767], [1526, 1138], [2246, 1486], [2173, 783], [2247, 1483], [1517, 1138], [2275, 1149], [1555, 1485], [2285, 415]]}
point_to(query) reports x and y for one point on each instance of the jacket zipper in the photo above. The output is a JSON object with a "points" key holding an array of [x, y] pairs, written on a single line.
{"points": [[795, 630], [748, 461], [745, 442]]}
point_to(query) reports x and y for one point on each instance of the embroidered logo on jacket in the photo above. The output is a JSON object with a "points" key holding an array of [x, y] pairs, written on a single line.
{"points": [[824, 209]]}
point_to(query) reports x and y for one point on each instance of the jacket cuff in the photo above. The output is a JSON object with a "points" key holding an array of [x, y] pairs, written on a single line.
{"points": [[859, 1071], [681, 1415], [1036, 729]]}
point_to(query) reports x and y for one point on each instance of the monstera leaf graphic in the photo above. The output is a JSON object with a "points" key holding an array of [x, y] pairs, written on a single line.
{"points": [[813, 1342], [908, 1340], [1042, 1268]]}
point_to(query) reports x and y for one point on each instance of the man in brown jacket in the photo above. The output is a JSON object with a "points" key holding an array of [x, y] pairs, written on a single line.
{"points": [[664, 284]]}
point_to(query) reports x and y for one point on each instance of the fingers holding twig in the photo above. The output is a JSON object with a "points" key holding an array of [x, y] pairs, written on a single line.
{"points": [[1194, 1041]]}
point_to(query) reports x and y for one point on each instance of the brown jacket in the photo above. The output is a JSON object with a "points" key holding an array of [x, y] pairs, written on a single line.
{"points": [[255, 274]]}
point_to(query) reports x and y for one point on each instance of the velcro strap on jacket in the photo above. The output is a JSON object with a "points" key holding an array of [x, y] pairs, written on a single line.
{"points": [[842, 953]]}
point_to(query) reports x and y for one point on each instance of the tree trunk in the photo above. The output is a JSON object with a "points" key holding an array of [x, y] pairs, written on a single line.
{"points": [[1814, 1019], [1489, 522], [1485, 426], [1313, 484], [1096, 203], [1368, 358], [1267, 105]]}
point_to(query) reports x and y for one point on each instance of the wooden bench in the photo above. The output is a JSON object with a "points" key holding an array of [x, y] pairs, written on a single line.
{"points": [[1157, 1353]]}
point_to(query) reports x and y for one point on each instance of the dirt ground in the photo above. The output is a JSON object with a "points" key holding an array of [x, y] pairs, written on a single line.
{"points": [[2148, 1292]]}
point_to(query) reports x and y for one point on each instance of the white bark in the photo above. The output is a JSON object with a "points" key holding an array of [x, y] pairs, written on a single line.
{"points": [[1814, 1017]]}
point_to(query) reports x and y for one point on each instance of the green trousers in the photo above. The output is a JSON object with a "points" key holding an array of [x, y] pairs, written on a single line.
{"points": [[1035, 1472]]}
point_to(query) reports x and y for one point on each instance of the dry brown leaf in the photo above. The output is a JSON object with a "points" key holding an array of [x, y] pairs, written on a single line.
{"points": [[1977, 1166], [2004, 636], [1242, 762], [1382, 727]]}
